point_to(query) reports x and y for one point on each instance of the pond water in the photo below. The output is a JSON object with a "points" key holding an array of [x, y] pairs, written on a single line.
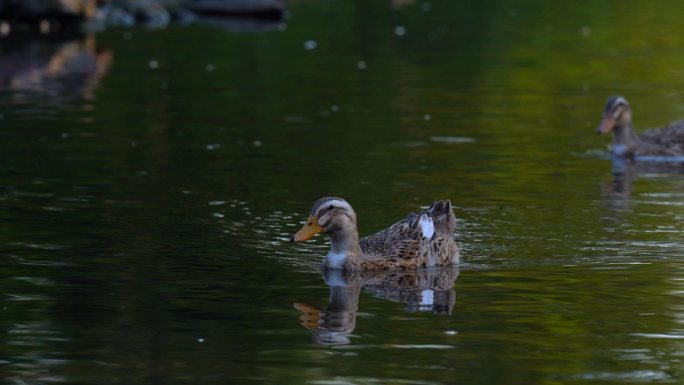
{"points": [[150, 181]]}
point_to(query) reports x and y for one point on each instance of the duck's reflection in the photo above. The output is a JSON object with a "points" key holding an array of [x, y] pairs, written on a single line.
{"points": [[58, 69], [423, 290], [617, 193], [625, 171], [620, 187]]}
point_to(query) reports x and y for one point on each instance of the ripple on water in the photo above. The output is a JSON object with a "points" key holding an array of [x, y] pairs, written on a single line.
{"points": [[27, 262], [397, 346], [368, 380], [26, 297], [659, 336], [35, 281], [278, 228], [660, 203], [633, 376], [40, 246], [452, 139]]}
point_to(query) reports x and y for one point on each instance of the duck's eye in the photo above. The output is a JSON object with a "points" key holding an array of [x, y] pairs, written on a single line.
{"points": [[310, 223], [331, 207]]}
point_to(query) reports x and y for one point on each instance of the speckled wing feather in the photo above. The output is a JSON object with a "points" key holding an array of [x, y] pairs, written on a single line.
{"points": [[668, 140], [405, 245]]}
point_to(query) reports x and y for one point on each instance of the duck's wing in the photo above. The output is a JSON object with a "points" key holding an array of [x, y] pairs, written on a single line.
{"points": [[668, 140], [420, 240], [398, 240]]}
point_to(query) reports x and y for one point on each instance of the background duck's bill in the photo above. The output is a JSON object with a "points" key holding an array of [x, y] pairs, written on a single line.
{"points": [[606, 126]]}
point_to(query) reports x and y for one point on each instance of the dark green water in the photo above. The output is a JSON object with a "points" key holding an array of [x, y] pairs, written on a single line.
{"points": [[150, 179]]}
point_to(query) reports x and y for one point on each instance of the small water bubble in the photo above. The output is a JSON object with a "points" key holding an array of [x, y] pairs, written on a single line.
{"points": [[217, 215], [427, 117], [128, 35], [400, 30], [310, 45], [44, 27], [134, 144], [5, 28], [64, 135], [334, 108], [426, 6], [361, 65], [209, 67], [154, 64], [213, 146], [200, 340], [257, 143], [450, 332], [585, 31]]}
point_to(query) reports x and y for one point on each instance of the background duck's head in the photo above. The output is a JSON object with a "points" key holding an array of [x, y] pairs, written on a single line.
{"points": [[616, 115], [329, 215]]}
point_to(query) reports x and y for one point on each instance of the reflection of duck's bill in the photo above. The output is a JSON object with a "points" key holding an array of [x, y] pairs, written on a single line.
{"points": [[310, 315], [307, 231]]}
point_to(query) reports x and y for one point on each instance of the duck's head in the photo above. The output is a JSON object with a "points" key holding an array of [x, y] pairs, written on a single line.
{"points": [[616, 114], [329, 215]]}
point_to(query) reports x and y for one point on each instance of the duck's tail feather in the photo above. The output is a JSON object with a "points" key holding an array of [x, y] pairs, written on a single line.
{"points": [[441, 211]]}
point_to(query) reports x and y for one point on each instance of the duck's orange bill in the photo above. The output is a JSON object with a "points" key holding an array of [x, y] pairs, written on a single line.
{"points": [[307, 231], [606, 125]]}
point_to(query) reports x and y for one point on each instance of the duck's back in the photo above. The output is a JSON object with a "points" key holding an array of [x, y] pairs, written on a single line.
{"points": [[421, 239], [668, 140]]}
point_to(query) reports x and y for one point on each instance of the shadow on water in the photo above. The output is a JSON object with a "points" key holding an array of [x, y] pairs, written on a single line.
{"points": [[52, 70], [429, 290]]}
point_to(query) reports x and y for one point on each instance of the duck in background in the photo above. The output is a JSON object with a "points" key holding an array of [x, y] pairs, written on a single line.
{"points": [[656, 144]]}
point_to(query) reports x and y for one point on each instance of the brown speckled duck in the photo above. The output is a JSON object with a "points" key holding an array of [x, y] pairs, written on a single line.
{"points": [[663, 141], [420, 240]]}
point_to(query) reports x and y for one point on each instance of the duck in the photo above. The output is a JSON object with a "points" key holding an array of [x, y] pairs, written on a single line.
{"points": [[667, 141], [420, 240]]}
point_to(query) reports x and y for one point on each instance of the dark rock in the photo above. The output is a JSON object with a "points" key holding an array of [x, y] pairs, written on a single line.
{"points": [[269, 9], [27, 10]]}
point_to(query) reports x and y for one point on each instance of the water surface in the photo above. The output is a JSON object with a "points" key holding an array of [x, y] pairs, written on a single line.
{"points": [[150, 180]]}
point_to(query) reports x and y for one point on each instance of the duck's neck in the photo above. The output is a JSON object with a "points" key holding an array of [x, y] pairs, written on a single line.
{"points": [[344, 248], [625, 140]]}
